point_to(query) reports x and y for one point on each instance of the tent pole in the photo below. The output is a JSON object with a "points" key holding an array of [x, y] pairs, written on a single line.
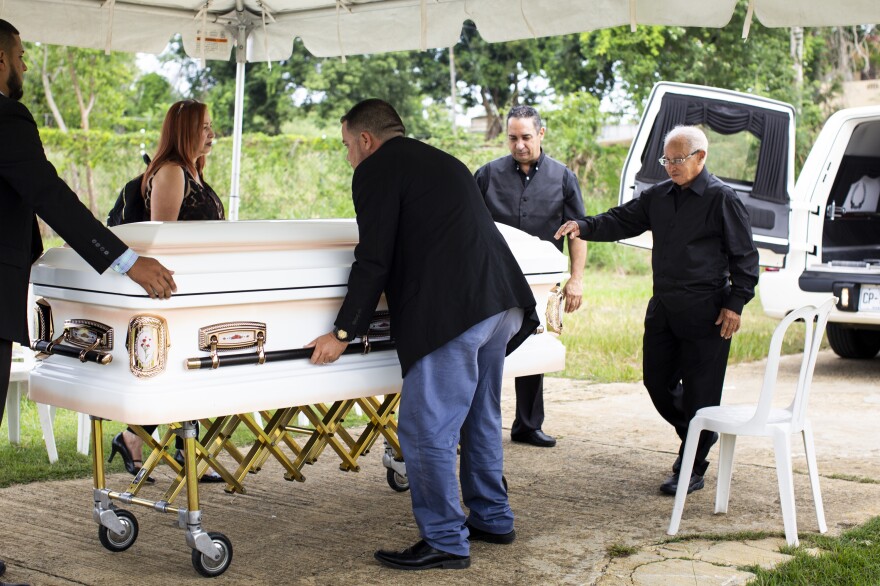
{"points": [[237, 122]]}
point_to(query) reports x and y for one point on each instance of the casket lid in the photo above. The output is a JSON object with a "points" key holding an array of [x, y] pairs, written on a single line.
{"points": [[211, 258]]}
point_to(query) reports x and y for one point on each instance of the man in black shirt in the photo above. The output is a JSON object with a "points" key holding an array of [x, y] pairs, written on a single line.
{"points": [[534, 193], [705, 270]]}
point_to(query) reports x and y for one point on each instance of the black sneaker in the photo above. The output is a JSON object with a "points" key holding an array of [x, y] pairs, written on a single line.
{"points": [[671, 484]]}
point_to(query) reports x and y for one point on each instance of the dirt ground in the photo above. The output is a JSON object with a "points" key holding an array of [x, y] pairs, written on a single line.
{"points": [[597, 488]]}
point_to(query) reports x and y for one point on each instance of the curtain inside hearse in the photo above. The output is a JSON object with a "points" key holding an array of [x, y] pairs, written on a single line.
{"points": [[725, 118]]}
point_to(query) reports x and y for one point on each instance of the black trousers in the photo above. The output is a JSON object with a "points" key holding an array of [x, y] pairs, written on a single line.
{"points": [[529, 404], [5, 368], [684, 362]]}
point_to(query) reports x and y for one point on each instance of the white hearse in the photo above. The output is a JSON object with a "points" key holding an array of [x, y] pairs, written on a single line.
{"points": [[818, 236]]}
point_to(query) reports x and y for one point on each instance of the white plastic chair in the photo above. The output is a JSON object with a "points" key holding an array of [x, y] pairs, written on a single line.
{"points": [[18, 387], [764, 420]]}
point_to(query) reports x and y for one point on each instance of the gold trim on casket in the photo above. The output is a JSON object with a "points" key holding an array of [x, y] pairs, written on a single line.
{"points": [[44, 329], [147, 344], [86, 333], [233, 335], [555, 309]]}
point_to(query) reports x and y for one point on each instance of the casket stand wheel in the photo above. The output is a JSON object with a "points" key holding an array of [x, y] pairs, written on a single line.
{"points": [[398, 482], [209, 568], [120, 541]]}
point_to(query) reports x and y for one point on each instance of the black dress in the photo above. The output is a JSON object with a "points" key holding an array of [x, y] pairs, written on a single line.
{"points": [[199, 200]]}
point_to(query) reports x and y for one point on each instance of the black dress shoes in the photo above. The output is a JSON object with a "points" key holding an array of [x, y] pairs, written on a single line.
{"points": [[671, 484], [480, 535], [535, 438], [422, 556]]}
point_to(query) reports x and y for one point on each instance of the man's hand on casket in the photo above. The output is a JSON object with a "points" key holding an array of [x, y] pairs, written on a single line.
{"points": [[153, 277], [328, 348]]}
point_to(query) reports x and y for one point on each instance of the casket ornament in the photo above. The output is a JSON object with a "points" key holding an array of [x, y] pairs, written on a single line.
{"points": [[555, 309], [233, 335], [86, 333], [147, 344], [43, 327], [87, 340], [237, 335]]}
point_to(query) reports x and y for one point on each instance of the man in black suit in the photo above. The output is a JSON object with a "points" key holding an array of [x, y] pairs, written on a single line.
{"points": [[30, 186], [459, 303]]}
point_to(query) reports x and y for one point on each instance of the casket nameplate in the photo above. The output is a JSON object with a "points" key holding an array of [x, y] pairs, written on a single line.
{"points": [[85, 333], [147, 344], [233, 335]]}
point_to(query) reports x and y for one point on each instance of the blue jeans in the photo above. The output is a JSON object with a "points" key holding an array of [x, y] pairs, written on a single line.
{"points": [[452, 396]]}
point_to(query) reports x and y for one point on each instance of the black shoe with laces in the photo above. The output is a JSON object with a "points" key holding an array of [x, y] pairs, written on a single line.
{"points": [[670, 485], [422, 556]]}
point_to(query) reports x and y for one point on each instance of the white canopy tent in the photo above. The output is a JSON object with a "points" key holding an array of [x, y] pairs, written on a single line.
{"points": [[264, 30]]}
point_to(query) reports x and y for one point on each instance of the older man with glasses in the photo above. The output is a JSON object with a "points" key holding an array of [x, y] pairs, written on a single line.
{"points": [[705, 271]]}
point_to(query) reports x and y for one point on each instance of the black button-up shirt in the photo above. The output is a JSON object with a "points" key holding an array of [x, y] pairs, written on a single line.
{"points": [[538, 202], [703, 247]]}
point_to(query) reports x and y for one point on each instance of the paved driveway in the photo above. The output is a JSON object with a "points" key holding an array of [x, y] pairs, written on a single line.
{"points": [[597, 488]]}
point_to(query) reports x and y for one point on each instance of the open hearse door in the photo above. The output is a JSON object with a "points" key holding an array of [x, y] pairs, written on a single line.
{"points": [[839, 220], [751, 148]]}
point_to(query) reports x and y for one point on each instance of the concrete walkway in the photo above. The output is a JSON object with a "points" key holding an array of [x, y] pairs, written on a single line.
{"points": [[595, 493]]}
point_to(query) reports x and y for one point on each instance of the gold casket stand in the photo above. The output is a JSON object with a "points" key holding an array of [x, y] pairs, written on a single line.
{"points": [[249, 293]]}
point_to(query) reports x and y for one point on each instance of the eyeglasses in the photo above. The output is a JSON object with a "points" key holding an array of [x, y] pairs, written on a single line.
{"points": [[664, 161]]}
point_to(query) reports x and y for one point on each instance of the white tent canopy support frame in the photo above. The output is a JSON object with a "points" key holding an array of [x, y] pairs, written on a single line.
{"points": [[264, 30]]}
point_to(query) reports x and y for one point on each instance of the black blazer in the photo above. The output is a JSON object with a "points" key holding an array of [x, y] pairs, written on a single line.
{"points": [[427, 240], [30, 186]]}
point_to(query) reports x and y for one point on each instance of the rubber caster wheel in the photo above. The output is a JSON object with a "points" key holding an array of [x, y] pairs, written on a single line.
{"points": [[398, 482], [208, 567], [115, 542]]}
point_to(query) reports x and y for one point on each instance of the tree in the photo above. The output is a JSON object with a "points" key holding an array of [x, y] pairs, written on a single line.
{"points": [[494, 75], [151, 97], [334, 85], [85, 86]]}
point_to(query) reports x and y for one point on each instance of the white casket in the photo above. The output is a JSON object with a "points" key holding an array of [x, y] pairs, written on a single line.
{"points": [[256, 288]]}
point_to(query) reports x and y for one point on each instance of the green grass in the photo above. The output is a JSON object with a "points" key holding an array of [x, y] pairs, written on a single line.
{"points": [[620, 550], [603, 339], [853, 558]]}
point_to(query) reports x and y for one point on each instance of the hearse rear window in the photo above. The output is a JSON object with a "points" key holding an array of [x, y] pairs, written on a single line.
{"points": [[732, 157]]}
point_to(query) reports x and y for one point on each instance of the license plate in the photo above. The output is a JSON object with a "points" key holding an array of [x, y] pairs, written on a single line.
{"points": [[869, 298]]}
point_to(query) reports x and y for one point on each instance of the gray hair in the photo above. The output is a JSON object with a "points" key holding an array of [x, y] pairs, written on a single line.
{"points": [[692, 136], [526, 112]]}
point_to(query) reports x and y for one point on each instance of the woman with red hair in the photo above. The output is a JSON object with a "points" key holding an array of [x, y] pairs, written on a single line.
{"points": [[175, 190], [173, 186]]}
